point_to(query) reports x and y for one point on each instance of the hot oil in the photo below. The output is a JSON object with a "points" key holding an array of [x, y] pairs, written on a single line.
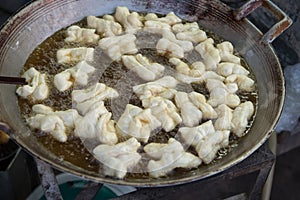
{"points": [[115, 75], [72, 151], [43, 58]]}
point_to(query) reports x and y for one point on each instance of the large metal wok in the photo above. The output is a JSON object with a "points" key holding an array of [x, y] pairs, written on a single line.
{"points": [[39, 20]]}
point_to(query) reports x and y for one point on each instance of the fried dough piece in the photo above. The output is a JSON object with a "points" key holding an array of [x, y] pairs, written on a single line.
{"points": [[190, 114], [106, 27], [137, 122], [148, 71], [84, 35], [170, 45], [78, 74], [209, 53], [116, 46], [37, 88], [240, 118], [119, 158], [75, 55], [226, 53], [206, 140], [57, 123], [167, 157], [189, 32], [222, 94], [132, 22]]}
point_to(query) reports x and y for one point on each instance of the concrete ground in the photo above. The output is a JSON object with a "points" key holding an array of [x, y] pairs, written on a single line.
{"points": [[286, 182]]}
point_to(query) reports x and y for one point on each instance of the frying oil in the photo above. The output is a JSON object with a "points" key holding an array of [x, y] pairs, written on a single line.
{"points": [[113, 74]]}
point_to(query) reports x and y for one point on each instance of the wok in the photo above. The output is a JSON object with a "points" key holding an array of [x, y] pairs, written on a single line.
{"points": [[40, 19]]}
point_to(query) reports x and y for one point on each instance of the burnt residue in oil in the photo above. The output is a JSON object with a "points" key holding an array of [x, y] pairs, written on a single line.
{"points": [[115, 75]]}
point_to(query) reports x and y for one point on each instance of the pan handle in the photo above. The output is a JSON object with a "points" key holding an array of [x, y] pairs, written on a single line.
{"points": [[277, 29]]}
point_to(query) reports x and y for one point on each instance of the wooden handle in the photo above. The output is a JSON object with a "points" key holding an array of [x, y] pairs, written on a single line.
{"points": [[12, 80], [276, 30]]}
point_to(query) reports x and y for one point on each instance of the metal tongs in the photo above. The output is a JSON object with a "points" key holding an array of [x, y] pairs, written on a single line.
{"points": [[12, 80]]}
